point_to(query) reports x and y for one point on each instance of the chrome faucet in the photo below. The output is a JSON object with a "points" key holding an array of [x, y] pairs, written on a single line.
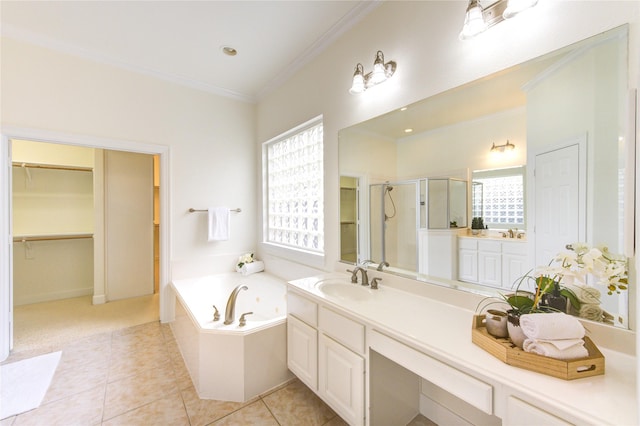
{"points": [[230, 311], [354, 275]]}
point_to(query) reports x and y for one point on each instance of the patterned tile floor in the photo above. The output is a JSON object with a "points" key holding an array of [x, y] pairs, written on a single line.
{"points": [[136, 376]]}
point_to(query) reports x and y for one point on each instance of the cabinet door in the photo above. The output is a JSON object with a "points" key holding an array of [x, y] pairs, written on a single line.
{"points": [[468, 265], [302, 351], [341, 381], [490, 268], [513, 268]]}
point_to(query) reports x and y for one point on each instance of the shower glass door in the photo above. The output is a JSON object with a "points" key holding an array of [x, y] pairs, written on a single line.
{"points": [[393, 225]]}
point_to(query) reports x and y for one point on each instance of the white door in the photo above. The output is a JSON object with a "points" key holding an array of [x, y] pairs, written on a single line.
{"points": [[128, 224], [559, 200]]}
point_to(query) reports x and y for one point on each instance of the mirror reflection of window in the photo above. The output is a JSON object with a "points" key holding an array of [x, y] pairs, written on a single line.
{"points": [[503, 195]]}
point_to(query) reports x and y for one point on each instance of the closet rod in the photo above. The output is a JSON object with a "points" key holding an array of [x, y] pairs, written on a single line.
{"points": [[51, 237], [191, 210], [53, 167]]}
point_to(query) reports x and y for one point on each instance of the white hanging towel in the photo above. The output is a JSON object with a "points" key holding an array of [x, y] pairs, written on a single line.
{"points": [[218, 223]]}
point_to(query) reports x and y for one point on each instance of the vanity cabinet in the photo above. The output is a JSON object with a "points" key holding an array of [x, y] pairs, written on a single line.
{"points": [[491, 262], [521, 413], [326, 350], [302, 339]]}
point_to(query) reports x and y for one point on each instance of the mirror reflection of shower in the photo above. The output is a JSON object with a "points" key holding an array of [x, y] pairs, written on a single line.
{"points": [[387, 189], [393, 208]]}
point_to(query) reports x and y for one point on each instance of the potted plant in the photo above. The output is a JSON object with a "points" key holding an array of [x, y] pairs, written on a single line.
{"points": [[552, 286], [477, 225]]}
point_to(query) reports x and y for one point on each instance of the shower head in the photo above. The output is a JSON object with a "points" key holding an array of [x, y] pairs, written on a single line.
{"points": [[388, 188]]}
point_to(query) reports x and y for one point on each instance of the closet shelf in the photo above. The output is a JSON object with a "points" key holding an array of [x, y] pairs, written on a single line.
{"points": [[52, 167], [50, 237]]}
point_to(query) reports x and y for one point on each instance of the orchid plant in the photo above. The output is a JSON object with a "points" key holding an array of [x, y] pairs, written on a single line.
{"points": [[573, 266], [579, 261]]}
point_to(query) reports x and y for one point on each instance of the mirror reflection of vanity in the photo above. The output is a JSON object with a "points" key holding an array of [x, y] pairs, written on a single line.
{"points": [[411, 196]]}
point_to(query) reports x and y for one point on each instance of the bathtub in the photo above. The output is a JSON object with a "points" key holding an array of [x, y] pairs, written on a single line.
{"points": [[232, 362]]}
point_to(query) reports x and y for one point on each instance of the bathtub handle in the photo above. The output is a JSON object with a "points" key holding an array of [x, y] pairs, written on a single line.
{"points": [[243, 320], [216, 314]]}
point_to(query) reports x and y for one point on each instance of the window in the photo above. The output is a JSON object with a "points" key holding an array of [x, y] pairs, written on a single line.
{"points": [[294, 201], [498, 196]]}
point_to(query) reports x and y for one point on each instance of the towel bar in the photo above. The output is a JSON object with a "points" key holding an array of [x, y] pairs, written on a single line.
{"points": [[191, 210]]}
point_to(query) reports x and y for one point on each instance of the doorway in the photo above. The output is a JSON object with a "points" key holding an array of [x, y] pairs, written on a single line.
{"points": [[6, 252], [70, 202]]}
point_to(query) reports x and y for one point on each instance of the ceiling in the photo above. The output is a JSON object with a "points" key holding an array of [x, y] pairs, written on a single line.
{"points": [[181, 41]]}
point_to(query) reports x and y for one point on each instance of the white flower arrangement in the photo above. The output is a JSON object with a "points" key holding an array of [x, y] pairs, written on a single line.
{"points": [[572, 266], [245, 258]]}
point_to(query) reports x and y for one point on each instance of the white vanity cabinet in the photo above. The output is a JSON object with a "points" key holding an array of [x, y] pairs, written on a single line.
{"points": [[302, 339], [468, 260], [521, 413], [341, 364], [326, 351], [490, 263], [514, 263], [493, 262]]}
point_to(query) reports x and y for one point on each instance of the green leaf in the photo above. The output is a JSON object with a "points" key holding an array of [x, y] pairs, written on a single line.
{"points": [[522, 303], [573, 299]]}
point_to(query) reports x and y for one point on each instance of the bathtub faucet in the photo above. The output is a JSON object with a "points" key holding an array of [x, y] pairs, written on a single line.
{"points": [[230, 311]]}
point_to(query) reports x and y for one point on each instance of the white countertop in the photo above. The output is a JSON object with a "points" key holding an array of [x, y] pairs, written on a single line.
{"points": [[493, 238], [443, 331]]}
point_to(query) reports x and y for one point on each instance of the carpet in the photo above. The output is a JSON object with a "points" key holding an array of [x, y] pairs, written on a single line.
{"points": [[24, 383]]}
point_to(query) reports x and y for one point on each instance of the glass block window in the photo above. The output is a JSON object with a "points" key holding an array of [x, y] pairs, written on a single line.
{"points": [[502, 197], [294, 190]]}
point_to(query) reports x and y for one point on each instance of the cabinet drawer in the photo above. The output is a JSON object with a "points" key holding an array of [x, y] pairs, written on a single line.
{"points": [[524, 414], [466, 387], [467, 243], [346, 331], [303, 308], [491, 246], [514, 248]]}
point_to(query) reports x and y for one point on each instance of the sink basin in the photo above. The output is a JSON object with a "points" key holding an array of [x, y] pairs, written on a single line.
{"points": [[344, 290]]}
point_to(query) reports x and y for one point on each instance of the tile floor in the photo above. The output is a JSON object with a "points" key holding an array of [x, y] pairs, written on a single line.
{"points": [[136, 376]]}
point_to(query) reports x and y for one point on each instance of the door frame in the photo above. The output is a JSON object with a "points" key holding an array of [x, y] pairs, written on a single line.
{"points": [[6, 238]]}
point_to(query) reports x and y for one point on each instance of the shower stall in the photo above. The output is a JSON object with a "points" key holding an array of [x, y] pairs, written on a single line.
{"points": [[394, 222]]}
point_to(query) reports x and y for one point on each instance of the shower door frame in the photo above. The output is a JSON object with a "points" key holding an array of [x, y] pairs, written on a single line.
{"points": [[416, 183]]}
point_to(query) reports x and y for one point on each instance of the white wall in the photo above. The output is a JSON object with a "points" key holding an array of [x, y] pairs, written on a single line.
{"points": [[210, 138], [422, 37]]}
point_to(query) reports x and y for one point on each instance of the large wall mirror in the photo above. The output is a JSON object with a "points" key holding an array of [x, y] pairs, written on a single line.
{"points": [[413, 181]]}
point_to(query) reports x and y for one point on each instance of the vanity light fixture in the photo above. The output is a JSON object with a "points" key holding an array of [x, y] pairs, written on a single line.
{"points": [[478, 19], [502, 148], [381, 72]]}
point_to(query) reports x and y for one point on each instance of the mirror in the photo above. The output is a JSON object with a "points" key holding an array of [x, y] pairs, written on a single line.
{"points": [[408, 199]]}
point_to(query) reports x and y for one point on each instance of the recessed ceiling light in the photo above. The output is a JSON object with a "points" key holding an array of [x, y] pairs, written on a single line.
{"points": [[408, 130], [403, 108], [229, 51]]}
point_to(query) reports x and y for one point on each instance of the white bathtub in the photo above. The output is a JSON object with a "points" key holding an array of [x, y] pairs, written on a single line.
{"points": [[230, 362]]}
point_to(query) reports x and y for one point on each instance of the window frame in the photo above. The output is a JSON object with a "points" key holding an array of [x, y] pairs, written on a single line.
{"points": [[503, 173], [291, 252]]}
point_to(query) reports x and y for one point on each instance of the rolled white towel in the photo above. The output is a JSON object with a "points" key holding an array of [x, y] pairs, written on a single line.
{"points": [[564, 349], [591, 312], [551, 326], [585, 294], [252, 268]]}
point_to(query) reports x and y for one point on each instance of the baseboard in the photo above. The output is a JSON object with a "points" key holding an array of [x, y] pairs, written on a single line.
{"points": [[49, 297], [99, 300]]}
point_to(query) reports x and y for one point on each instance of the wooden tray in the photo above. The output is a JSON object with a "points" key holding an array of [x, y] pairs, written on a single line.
{"points": [[507, 352]]}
